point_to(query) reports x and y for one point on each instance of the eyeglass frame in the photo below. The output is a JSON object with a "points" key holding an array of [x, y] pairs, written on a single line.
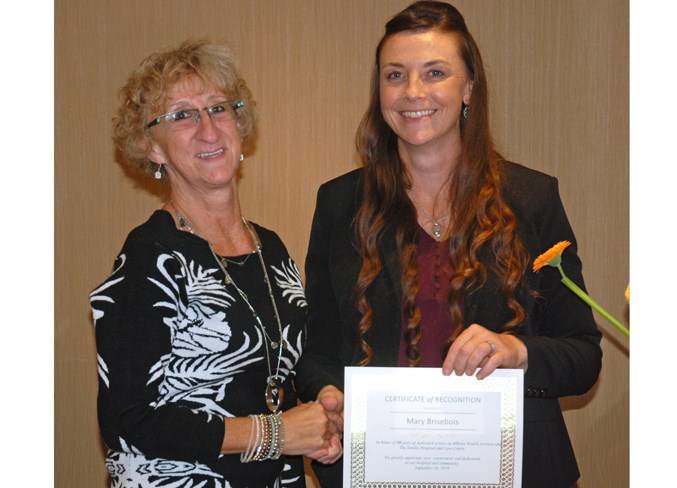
{"points": [[235, 104]]}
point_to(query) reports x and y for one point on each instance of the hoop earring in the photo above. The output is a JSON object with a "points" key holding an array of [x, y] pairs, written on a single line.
{"points": [[465, 111], [158, 172]]}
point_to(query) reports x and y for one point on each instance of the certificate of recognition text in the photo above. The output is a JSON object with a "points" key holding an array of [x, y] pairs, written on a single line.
{"points": [[414, 427]]}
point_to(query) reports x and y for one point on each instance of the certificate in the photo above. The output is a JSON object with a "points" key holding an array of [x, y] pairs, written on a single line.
{"points": [[415, 427]]}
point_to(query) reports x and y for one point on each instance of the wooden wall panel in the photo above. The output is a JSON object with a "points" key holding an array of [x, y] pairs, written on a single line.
{"points": [[558, 74]]}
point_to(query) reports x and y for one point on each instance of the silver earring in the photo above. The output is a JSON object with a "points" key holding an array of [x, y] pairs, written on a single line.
{"points": [[465, 111], [241, 157], [158, 173]]}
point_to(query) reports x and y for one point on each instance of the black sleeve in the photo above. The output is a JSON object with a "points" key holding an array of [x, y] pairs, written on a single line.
{"points": [[132, 310], [563, 344], [321, 363]]}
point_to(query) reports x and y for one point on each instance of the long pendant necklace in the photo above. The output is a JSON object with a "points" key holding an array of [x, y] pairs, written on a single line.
{"points": [[274, 393]]}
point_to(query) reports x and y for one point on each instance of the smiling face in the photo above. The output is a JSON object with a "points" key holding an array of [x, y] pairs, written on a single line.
{"points": [[205, 156], [423, 84]]}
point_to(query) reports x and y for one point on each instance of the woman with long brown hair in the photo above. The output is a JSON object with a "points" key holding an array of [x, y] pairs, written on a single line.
{"points": [[421, 258]]}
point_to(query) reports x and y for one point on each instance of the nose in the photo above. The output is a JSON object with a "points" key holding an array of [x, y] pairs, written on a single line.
{"points": [[414, 88], [206, 128]]}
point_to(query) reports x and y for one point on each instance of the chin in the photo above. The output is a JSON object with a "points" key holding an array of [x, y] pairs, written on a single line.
{"points": [[416, 141]]}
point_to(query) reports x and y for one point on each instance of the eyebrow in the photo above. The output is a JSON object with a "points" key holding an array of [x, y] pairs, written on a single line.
{"points": [[427, 64], [186, 104]]}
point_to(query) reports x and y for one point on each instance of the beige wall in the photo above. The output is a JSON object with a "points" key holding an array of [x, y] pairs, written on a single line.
{"points": [[558, 72]]}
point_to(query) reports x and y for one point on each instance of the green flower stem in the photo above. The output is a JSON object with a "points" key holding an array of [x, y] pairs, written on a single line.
{"points": [[586, 298]]}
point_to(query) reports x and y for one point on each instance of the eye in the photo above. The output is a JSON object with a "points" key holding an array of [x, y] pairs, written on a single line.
{"points": [[183, 115], [223, 110], [218, 108], [394, 76], [435, 73]]}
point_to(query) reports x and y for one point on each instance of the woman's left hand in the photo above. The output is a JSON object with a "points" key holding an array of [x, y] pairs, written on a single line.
{"points": [[478, 347], [329, 454]]}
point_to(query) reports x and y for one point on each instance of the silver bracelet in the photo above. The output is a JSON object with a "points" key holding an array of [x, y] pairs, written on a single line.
{"points": [[248, 454], [278, 444], [266, 439]]}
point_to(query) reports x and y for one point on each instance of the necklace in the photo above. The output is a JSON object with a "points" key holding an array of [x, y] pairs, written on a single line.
{"points": [[436, 228], [274, 390], [225, 260], [184, 224]]}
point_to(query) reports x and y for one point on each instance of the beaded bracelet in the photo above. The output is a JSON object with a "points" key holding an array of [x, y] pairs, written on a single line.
{"points": [[278, 428], [263, 448], [266, 439]]}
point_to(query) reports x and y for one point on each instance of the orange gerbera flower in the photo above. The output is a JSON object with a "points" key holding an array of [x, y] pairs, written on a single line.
{"points": [[551, 257]]}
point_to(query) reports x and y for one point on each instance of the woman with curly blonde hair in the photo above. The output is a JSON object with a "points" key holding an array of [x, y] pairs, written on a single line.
{"points": [[202, 320], [420, 258]]}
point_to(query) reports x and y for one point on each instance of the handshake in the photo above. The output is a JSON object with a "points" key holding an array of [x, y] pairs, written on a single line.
{"points": [[315, 429]]}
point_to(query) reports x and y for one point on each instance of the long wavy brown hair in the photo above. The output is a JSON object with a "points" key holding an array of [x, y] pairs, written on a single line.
{"points": [[482, 239]]}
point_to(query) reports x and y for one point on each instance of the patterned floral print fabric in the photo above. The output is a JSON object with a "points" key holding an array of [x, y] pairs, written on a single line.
{"points": [[178, 351]]}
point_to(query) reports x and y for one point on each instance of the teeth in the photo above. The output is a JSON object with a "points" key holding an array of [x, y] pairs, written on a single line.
{"points": [[210, 154], [417, 114]]}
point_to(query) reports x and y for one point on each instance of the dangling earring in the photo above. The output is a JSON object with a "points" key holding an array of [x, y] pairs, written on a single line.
{"points": [[158, 173], [465, 111], [241, 157]]}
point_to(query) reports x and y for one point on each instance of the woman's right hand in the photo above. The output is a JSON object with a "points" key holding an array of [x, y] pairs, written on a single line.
{"points": [[307, 429]]}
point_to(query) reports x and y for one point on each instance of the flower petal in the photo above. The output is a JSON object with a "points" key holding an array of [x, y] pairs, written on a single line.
{"points": [[552, 256]]}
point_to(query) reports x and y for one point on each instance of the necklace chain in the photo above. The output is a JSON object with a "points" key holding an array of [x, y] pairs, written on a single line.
{"points": [[225, 260], [274, 390], [184, 224], [436, 223], [436, 228]]}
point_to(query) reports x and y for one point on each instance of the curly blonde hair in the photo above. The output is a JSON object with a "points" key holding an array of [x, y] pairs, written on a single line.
{"points": [[147, 90]]}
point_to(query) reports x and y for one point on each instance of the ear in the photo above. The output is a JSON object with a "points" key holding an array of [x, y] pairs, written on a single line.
{"points": [[155, 152], [467, 92]]}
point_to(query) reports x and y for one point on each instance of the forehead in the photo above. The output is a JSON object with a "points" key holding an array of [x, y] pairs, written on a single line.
{"points": [[421, 47], [191, 89]]}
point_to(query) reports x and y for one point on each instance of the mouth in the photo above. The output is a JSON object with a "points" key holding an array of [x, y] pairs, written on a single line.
{"points": [[209, 155], [417, 114]]}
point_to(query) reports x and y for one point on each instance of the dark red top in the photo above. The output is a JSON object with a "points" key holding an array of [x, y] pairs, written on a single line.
{"points": [[434, 273]]}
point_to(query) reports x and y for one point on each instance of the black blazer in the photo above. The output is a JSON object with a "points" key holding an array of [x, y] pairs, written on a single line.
{"points": [[562, 340]]}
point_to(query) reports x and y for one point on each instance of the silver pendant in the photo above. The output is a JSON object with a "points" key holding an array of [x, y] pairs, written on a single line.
{"points": [[274, 395], [437, 230]]}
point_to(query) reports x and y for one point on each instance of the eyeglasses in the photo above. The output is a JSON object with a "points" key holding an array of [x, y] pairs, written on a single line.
{"points": [[190, 117]]}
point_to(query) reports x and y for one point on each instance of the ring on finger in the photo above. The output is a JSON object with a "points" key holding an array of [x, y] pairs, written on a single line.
{"points": [[492, 346]]}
